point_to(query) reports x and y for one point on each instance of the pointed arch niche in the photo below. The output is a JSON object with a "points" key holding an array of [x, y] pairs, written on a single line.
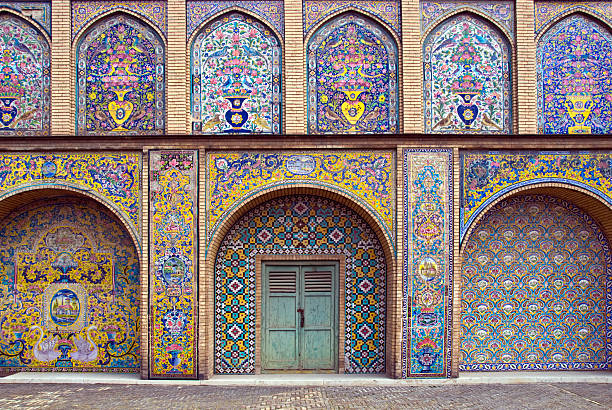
{"points": [[25, 82], [467, 78], [574, 62], [236, 77], [352, 77], [120, 78]]}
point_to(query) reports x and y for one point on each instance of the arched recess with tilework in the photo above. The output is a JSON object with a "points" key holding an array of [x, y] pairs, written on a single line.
{"points": [[236, 62], [574, 92], [301, 225], [467, 76], [536, 283], [352, 76], [120, 85], [69, 284]]}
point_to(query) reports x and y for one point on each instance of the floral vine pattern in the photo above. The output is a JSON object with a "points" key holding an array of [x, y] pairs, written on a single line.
{"points": [[25, 78], [114, 176], [574, 63], [466, 66], [536, 289], [86, 11], [300, 225], [485, 176], [366, 176], [69, 289], [352, 78], [236, 77], [501, 11], [120, 79], [173, 262]]}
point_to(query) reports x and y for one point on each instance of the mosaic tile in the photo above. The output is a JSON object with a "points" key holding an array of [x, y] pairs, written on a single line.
{"points": [[173, 221], [366, 177], [467, 79], [547, 11], [70, 284], [427, 262], [236, 77], [40, 12], [501, 11], [486, 176], [574, 60], [352, 78], [271, 12], [25, 83], [112, 176], [537, 289], [300, 225], [316, 11], [120, 79], [84, 12]]}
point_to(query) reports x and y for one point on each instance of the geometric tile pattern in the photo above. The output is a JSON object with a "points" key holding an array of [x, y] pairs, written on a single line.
{"points": [[574, 59], [427, 262], [537, 289], [270, 11], [39, 11], [486, 176], [316, 11], [70, 284], [236, 77], [114, 176], [547, 11], [173, 222], [366, 177], [352, 77], [154, 12], [300, 225], [25, 83], [466, 83], [501, 11], [120, 78]]}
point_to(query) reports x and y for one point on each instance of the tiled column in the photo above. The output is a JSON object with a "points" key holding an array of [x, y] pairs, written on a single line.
{"points": [[526, 68], [412, 67], [62, 71], [295, 69]]}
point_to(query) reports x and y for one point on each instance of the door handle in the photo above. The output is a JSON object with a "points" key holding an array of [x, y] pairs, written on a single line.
{"points": [[301, 312]]}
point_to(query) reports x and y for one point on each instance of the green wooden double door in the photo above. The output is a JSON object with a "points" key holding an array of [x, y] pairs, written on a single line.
{"points": [[300, 316]]}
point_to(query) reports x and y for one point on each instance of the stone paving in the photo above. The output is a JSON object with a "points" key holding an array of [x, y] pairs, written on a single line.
{"points": [[490, 396]]}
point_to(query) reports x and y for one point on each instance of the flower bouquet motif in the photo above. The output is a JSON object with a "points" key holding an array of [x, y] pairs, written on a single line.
{"points": [[11, 90]]}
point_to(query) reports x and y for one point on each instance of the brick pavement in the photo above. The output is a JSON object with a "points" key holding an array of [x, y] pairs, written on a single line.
{"points": [[493, 396]]}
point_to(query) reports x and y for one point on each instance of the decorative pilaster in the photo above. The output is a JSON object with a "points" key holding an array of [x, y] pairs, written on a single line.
{"points": [[173, 261]]}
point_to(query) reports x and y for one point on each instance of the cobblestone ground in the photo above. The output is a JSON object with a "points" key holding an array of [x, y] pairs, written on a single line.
{"points": [[496, 396]]}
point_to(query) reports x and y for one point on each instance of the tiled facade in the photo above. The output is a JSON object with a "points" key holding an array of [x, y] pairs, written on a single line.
{"points": [[451, 157]]}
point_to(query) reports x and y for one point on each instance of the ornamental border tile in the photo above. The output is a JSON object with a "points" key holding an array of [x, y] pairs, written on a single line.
{"points": [[40, 12], [153, 12], [231, 180], [545, 12], [270, 12], [315, 11], [500, 11]]}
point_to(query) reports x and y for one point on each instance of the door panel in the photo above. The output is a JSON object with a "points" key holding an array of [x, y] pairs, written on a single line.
{"points": [[318, 352], [299, 323], [280, 338], [281, 312]]}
